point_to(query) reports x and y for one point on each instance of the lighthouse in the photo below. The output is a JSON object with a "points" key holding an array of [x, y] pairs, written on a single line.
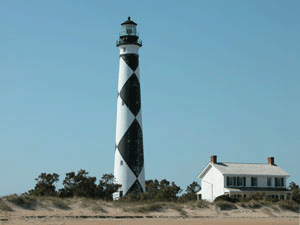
{"points": [[129, 153]]}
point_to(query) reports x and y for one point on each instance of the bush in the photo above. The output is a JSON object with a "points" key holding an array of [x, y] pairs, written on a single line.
{"points": [[225, 205], [202, 204], [225, 198], [289, 205], [253, 204], [45, 185], [256, 196]]}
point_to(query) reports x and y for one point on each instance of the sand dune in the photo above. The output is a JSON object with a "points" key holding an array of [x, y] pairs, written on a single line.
{"points": [[91, 212]]}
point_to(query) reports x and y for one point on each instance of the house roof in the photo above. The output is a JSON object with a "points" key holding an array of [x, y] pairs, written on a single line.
{"points": [[259, 169], [249, 169]]}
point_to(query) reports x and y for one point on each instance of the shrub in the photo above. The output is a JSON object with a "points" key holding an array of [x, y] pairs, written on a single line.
{"points": [[226, 198], [254, 204], [289, 205], [202, 204], [256, 196], [45, 185], [225, 205]]}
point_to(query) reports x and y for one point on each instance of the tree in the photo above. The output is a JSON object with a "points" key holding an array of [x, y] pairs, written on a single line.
{"points": [[45, 185], [295, 191], [167, 192], [191, 192], [79, 185], [107, 187], [152, 187]]}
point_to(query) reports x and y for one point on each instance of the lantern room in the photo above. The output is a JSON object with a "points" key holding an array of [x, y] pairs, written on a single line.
{"points": [[129, 34]]}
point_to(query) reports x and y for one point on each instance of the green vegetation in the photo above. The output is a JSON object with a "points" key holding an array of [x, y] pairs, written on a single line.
{"points": [[224, 205], [202, 204], [4, 207], [296, 191], [75, 185], [289, 205], [45, 185], [159, 196]]}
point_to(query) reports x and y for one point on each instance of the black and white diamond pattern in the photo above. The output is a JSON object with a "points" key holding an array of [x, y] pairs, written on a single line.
{"points": [[129, 155]]}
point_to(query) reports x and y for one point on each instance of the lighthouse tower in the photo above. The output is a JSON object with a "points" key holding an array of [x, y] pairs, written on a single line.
{"points": [[129, 153]]}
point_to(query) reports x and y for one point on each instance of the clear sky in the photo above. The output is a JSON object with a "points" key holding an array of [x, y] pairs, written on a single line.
{"points": [[217, 77]]}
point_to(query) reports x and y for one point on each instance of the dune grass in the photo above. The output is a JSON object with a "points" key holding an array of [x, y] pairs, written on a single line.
{"points": [[4, 207], [29, 202], [23, 201], [153, 207]]}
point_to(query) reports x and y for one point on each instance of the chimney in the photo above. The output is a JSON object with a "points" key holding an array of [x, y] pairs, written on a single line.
{"points": [[213, 159], [271, 161]]}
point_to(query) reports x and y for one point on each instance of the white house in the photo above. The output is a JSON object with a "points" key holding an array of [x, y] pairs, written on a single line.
{"points": [[240, 179]]}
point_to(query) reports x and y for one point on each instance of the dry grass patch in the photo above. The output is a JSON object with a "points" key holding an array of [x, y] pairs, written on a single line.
{"points": [[179, 207], [94, 204], [153, 207], [23, 201], [56, 202], [4, 207]]}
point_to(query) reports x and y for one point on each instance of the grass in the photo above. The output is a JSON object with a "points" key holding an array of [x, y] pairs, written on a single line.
{"points": [[31, 203], [56, 202], [4, 207], [60, 204], [179, 208], [98, 208], [154, 207], [23, 201]]}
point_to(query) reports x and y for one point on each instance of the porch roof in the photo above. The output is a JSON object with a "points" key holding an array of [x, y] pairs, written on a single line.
{"points": [[256, 189]]}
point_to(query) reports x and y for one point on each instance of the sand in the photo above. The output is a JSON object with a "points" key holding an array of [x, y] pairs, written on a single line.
{"points": [[179, 221], [89, 212]]}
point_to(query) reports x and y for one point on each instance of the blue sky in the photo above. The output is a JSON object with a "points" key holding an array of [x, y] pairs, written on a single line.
{"points": [[217, 77]]}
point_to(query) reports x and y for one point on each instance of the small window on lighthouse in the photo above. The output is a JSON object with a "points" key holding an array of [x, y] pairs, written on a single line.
{"points": [[121, 162]]}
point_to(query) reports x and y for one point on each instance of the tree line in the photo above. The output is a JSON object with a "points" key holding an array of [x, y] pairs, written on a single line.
{"points": [[80, 184]]}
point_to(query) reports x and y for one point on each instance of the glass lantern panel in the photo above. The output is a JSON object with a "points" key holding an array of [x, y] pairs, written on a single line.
{"points": [[128, 29]]}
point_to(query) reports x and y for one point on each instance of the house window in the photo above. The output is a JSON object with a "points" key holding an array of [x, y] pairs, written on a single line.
{"points": [[236, 181], [241, 181], [279, 182], [230, 181], [269, 182], [253, 181]]}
